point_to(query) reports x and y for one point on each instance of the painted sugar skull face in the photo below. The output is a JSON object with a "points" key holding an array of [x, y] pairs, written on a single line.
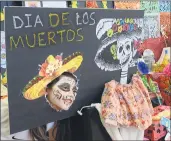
{"points": [[62, 91], [124, 51]]}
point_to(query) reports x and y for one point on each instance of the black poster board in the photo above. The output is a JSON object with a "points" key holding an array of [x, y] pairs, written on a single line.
{"points": [[85, 31]]}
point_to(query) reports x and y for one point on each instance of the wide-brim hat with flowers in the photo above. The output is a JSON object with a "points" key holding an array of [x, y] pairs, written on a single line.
{"points": [[52, 68]]}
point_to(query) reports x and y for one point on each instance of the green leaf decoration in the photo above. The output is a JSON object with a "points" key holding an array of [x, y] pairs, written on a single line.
{"points": [[113, 51]]}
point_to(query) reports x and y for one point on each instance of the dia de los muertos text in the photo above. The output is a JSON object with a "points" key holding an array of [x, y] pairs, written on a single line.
{"points": [[60, 29]]}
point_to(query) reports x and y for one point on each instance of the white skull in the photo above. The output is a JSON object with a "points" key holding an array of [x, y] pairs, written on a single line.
{"points": [[124, 50]]}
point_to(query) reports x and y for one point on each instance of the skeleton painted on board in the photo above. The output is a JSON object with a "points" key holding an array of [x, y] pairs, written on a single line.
{"points": [[118, 51]]}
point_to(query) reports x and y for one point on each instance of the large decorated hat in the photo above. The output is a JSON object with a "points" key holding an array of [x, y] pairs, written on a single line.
{"points": [[52, 68]]}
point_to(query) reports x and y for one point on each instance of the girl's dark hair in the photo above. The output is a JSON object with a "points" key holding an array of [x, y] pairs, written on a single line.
{"points": [[50, 85], [39, 133], [61, 130]]}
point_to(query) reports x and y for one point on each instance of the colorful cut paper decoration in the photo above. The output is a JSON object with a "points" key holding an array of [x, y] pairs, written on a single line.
{"points": [[3, 50], [165, 5], [4, 93], [151, 25], [150, 6], [55, 4], [2, 16], [165, 21], [127, 4], [4, 78], [91, 4], [74, 4], [104, 3], [32, 4]]}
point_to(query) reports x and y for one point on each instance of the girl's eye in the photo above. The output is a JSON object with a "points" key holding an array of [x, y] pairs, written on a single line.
{"points": [[64, 88]]}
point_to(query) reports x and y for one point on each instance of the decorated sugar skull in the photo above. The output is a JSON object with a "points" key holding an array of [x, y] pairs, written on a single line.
{"points": [[118, 48]]}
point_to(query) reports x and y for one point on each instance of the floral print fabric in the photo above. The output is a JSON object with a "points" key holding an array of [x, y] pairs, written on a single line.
{"points": [[153, 90], [127, 105], [164, 83]]}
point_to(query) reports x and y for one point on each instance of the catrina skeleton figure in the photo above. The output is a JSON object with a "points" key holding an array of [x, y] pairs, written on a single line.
{"points": [[118, 50]]}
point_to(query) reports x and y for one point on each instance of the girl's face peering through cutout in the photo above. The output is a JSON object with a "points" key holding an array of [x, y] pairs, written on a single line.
{"points": [[62, 93]]}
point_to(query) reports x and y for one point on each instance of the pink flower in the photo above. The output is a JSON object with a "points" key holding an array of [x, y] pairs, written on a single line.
{"points": [[137, 43], [59, 57], [167, 70]]}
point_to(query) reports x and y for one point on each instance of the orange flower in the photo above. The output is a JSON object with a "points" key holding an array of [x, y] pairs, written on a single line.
{"points": [[50, 66], [91, 4], [42, 71]]}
